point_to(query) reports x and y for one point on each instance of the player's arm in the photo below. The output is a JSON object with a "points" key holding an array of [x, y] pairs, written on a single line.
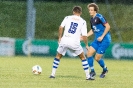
{"points": [[90, 33], [84, 34], [107, 28], [61, 28], [60, 32], [85, 39]]}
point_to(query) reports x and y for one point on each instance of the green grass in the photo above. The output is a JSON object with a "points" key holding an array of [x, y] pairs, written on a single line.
{"points": [[50, 14], [15, 72]]}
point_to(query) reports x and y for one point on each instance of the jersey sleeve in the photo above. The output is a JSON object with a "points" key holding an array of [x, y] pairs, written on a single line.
{"points": [[64, 22], [84, 29], [103, 20]]}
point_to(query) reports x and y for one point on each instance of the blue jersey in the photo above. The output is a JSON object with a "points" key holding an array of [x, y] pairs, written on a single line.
{"points": [[97, 25]]}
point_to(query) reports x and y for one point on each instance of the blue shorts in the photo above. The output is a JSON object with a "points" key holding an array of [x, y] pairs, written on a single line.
{"points": [[100, 47]]}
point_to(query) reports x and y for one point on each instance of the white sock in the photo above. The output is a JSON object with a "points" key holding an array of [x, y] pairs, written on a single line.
{"points": [[85, 67], [87, 74], [53, 72]]}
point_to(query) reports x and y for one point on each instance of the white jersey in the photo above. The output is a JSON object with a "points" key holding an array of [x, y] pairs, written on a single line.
{"points": [[75, 26]]}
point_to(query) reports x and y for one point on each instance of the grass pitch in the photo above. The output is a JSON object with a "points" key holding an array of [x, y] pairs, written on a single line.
{"points": [[15, 72]]}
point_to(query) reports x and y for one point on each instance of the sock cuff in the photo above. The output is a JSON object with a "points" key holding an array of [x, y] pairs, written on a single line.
{"points": [[90, 57], [100, 60], [56, 59], [84, 60]]}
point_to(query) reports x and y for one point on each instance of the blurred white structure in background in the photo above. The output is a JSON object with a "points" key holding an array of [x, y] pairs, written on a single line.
{"points": [[7, 46]]}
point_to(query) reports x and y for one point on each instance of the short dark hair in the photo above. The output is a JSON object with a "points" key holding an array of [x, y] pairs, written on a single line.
{"points": [[77, 9], [96, 8]]}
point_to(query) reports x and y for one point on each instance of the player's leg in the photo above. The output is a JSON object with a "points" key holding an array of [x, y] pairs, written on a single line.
{"points": [[90, 59], [55, 64], [85, 66], [98, 58], [78, 51], [93, 48], [60, 52]]}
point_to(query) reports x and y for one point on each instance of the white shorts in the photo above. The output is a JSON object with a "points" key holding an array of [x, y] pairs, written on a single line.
{"points": [[75, 50]]}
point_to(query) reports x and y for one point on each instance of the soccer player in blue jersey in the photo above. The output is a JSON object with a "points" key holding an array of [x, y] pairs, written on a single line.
{"points": [[100, 28]]}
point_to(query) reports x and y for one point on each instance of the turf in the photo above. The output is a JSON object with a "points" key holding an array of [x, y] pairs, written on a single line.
{"points": [[15, 72]]}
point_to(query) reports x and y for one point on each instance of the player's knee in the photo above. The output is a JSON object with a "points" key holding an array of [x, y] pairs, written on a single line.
{"points": [[58, 56], [97, 59], [89, 54], [81, 57]]}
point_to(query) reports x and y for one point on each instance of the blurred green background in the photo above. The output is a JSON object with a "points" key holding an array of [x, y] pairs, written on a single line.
{"points": [[50, 13]]}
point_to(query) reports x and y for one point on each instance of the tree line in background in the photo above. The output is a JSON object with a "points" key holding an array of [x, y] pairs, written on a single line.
{"points": [[85, 1], [13, 19]]}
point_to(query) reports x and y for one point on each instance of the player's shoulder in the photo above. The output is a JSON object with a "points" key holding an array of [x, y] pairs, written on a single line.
{"points": [[99, 15], [66, 17], [83, 19]]}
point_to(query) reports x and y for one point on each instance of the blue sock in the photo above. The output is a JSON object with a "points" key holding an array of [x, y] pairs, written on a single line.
{"points": [[102, 64], [56, 63], [85, 64], [55, 66], [90, 62], [85, 67]]}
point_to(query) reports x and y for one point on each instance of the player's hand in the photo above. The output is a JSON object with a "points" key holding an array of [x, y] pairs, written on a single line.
{"points": [[87, 47], [59, 40], [100, 39], [81, 38]]}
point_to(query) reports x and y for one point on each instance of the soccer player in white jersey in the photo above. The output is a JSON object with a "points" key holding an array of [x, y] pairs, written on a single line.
{"points": [[73, 26]]}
